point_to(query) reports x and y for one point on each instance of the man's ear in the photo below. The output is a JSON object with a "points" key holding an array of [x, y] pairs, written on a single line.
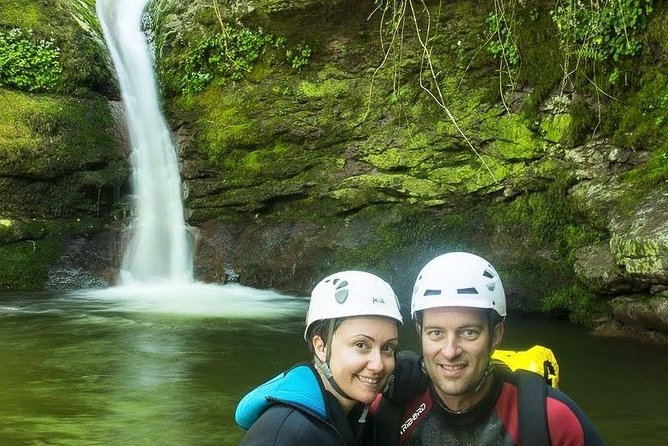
{"points": [[319, 348], [497, 335], [418, 328]]}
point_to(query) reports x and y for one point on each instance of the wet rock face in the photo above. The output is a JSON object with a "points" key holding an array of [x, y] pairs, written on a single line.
{"points": [[642, 318], [281, 256], [651, 314], [88, 262]]}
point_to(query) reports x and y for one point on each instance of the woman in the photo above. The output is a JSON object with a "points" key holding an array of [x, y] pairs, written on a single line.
{"points": [[352, 330]]}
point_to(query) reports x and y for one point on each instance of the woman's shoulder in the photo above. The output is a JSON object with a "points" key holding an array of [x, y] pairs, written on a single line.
{"points": [[298, 386], [282, 425]]}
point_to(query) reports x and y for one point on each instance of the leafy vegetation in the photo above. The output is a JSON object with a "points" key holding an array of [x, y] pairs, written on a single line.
{"points": [[27, 62], [229, 56], [601, 30], [299, 56], [502, 42]]}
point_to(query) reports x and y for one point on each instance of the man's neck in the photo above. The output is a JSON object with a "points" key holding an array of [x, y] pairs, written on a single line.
{"points": [[464, 403]]}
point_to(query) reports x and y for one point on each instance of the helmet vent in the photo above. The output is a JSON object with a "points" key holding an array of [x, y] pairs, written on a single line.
{"points": [[432, 292], [341, 284], [467, 291], [488, 274], [341, 290], [341, 295]]}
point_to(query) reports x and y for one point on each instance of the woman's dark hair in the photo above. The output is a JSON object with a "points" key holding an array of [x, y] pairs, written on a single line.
{"points": [[321, 328]]}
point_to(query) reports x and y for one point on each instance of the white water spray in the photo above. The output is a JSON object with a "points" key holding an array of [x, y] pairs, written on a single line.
{"points": [[160, 249]]}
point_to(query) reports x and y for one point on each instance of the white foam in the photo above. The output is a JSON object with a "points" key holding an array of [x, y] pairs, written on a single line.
{"points": [[196, 299]]}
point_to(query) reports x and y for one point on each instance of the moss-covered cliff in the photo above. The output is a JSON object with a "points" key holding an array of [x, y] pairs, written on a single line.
{"points": [[59, 163], [324, 135]]}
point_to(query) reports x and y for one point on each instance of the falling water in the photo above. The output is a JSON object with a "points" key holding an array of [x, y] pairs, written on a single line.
{"points": [[160, 247]]}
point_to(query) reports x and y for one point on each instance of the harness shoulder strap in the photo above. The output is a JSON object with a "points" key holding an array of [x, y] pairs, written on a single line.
{"points": [[532, 397], [396, 424], [387, 418]]}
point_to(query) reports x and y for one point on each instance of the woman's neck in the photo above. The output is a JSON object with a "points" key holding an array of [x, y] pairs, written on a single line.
{"points": [[346, 404]]}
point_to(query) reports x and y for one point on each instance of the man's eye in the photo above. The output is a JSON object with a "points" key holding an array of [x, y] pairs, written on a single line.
{"points": [[470, 333]]}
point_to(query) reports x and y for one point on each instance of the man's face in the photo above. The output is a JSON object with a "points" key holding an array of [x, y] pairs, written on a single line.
{"points": [[456, 346]]}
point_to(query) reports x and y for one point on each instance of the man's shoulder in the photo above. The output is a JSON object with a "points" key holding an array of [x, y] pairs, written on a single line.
{"points": [[568, 424]]}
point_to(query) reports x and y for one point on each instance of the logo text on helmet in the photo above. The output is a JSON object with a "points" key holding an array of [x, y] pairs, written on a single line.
{"points": [[378, 300]]}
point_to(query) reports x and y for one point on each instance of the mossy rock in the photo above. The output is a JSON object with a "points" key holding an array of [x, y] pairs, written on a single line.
{"points": [[29, 248], [48, 136], [513, 140]]}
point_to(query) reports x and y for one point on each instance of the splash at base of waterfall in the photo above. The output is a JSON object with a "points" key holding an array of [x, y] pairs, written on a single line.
{"points": [[197, 299]]}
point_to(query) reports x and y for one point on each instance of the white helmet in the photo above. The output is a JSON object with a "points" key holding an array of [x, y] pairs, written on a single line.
{"points": [[352, 293], [458, 279]]}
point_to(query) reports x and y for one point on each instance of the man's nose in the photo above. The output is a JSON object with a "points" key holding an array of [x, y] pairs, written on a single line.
{"points": [[451, 349]]}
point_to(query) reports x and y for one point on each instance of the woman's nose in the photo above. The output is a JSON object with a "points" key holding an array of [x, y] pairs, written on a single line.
{"points": [[376, 362]]}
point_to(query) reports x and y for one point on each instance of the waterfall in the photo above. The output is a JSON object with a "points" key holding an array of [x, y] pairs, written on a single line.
{"points": [[160, 248]]}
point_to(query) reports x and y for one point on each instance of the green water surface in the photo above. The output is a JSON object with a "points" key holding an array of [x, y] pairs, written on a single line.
{"points": [[93, 373]]}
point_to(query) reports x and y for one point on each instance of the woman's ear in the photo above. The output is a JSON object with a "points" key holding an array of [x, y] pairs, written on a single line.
{"points": [[319, 348]]}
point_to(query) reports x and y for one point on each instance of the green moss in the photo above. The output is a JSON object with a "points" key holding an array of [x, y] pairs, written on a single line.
{"points": [[12, 231], [549, 219], [32, 247], [582, 306], [472, 176], [57, 155], [582, 123], [215, 53], [555, 127], [395, 158], [540, 55], [329, 88], [641, 256], [513, 139], [642, 121], [28, 16], [276, 161], [394, 185], [222, 123], [49, 136]]}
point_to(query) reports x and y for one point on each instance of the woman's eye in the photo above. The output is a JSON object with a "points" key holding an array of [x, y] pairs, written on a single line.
{"points": [[360, 345], [389, 349]]}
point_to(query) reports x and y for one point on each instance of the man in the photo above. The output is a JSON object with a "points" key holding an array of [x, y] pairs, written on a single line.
{"points": [[459, 306]]}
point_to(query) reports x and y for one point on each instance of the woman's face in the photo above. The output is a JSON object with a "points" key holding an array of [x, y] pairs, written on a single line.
{"points": [[362, 357]]}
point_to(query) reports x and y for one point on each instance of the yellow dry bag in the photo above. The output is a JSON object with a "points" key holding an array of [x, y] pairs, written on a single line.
{"points": [[537, 359]]}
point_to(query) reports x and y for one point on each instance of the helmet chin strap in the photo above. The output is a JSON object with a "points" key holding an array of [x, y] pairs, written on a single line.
{"points": [[324, 366], [488, 371], [484, 377]]}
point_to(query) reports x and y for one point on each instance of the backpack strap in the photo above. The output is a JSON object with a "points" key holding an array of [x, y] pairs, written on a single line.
{"points": [[532, 408]]}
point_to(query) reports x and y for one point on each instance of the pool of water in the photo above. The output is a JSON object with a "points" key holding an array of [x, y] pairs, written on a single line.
{"points": [[168, 366]]}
